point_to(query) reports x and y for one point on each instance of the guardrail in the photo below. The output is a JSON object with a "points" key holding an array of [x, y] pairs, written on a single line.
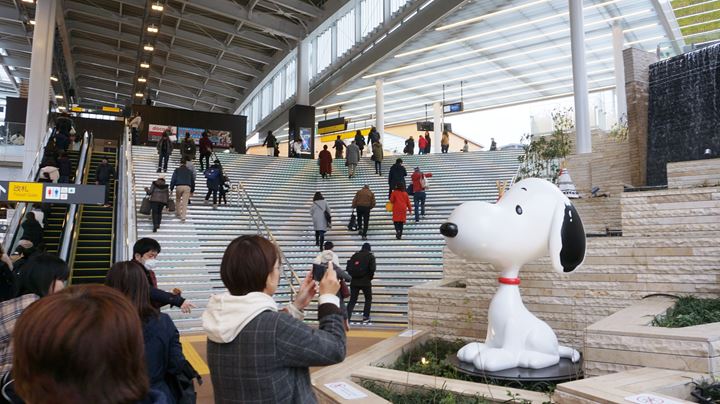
{"points": [[71, 216]]}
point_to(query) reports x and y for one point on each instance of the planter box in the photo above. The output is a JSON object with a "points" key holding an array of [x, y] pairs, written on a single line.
{"points": [[625, 340]]}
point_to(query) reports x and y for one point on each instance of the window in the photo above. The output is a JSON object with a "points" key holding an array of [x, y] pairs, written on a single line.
{"points": [[266, 100], [290, 75], [277, 87], [395, 5], [371, 15], [345, 32], [255, 111], [324, 50]]}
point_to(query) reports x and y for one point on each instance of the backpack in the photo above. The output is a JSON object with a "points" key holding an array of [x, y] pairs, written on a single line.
{"points": [[212, 173], [187, 148], [357, 265]]}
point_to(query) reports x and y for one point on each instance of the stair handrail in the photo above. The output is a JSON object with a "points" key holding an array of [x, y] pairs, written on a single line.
{"points": [[256, 219], [76, 229], [14, 223], [125, 202], [70, 217]]}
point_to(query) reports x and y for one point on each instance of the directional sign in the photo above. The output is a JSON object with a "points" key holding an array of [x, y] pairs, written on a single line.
{"points": [[51, 193]]}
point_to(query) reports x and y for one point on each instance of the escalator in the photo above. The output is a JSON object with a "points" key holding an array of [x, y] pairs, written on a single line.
{"points": [[93, 241], [58, 213]]}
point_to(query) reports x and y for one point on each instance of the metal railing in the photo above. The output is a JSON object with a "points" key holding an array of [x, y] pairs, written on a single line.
{"points": [[125, 202], [76, 229], [71, 216]]}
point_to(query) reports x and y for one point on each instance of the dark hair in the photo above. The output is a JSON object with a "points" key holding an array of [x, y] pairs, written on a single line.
{"points": [[398, 161], [129, 278], [328, 245], [338, 137], [204, 134], [84, 344], [187, 135], [365, 247], [39, 274], [144, 245], [400, 186], [30, 216], [325, 147], [246, 264], [318, 196], [269, 132], [358, 132]]}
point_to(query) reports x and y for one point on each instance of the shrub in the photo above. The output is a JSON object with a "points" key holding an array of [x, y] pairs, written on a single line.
{"points": [[689, 311]]}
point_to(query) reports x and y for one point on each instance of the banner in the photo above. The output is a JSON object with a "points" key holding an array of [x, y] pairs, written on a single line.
{"points": [[195, 133], [155, 132], [219, 138]]}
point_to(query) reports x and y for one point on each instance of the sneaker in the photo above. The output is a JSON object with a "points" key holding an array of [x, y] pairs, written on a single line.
{"points": [[364, 237], [366, 320], [159, 170]]}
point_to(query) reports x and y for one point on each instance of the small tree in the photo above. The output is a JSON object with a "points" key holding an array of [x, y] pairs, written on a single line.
{"points": [[543, 155]]}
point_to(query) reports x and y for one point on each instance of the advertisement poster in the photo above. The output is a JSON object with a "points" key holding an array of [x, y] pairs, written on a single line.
{"points": [[195, 133], [219, 138], [155, 132], [306, 139]]}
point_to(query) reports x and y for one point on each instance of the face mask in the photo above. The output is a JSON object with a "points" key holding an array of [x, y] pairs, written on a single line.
{"points": [[151, 264]]}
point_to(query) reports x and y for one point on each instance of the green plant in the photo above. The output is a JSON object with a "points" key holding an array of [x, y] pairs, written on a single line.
{"points": [[689, 311], [429, 358], [707, 390], [620, 131], [543, 155], [423, 395]]}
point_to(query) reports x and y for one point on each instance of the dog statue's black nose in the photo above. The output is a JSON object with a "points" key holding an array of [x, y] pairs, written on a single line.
{"points": [[449, 229]]}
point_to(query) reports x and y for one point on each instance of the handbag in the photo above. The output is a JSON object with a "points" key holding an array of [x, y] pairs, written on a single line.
{"points": [[389, 206], [352, 224], [344, 289], [410, 190], [171, 205], [181, 384], [424, 183], [328, 217], [145, 206]]}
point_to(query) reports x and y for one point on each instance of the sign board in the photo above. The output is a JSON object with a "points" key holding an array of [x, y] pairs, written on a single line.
{"points": [[426, 126], [195, 134], [332, 125], [111, 109], [155, 132], [454, 107], [14, 191], [219, 137]]}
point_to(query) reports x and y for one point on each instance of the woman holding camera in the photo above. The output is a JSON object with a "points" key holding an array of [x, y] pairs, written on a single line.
{"points": [[257, 353]]}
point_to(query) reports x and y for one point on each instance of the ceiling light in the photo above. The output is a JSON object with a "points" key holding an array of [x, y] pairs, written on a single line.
{"points": [[144, 65], [59, 97], [61, 108], [148, 47], [28, 1], [53, 78], [141, 79], [486, 16], [152, 28], [140, 95], [3, 52], [157, 6], [32, 22]]}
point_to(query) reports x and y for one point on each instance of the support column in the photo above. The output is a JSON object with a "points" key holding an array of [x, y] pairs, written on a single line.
{"points": [[380, 109], [438, 124], [621, 100], [40, 70], [577, 43], [302, 81]]}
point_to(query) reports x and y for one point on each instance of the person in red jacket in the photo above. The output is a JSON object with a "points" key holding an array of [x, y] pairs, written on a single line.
{"points": [[206, 149], [325, 162], [422, 144], [401, 205], [419, 184]]}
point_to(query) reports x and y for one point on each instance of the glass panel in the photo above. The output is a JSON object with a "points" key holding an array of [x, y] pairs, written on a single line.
{"points": [[371, 15], [346, 32], [324, 48]]}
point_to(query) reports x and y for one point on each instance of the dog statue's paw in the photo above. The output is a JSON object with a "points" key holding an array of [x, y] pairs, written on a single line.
{"points": [[470, 351], [567, 352], [495, 359]]}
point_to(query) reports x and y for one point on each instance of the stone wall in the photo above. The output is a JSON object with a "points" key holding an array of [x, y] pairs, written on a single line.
{"points": [[698, 173], [637, 86]]}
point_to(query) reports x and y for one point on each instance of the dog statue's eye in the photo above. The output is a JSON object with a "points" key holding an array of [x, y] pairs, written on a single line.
{"points": [[518, 209]]}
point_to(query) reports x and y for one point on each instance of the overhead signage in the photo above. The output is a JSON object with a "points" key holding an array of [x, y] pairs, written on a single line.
{"points": [[14, 191], [425, 126], [344, 135], [111, 109], [332, 125], [195, 134], [453, 107]]}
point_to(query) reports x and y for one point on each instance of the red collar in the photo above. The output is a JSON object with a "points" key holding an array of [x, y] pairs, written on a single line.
{"points": [[509, 281]]}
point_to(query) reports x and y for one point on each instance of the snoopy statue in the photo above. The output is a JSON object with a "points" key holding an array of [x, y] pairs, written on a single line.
{"points": [[533, 218]]}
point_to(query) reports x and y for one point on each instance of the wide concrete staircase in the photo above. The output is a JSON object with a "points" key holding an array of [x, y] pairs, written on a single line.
{"points": [[282, 189]]}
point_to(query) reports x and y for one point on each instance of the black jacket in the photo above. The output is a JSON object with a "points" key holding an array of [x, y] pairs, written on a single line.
{"points": [[183, 176], [397, 175], [65, 167], [339, 144], [269, 141], [367, 260], [163, 352], [32, 231], [104, 173], [360, 141], [158, 297]]}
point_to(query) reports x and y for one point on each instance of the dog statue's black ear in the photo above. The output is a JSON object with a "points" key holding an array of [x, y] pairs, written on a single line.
{"points": [[567, 238]]}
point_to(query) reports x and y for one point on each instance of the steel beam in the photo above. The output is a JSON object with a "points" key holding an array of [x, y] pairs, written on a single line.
{"points": [[299, 7], [15, 45]]}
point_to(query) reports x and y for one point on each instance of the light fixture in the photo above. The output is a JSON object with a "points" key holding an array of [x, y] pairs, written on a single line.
{"points": [[144, 65], [152, 28], [32, 22], [59, 97], [140, 95], [157, 6], [141, 79], [28, 1], [3, 52], [53, 78], [148, 47], [61, 108]]}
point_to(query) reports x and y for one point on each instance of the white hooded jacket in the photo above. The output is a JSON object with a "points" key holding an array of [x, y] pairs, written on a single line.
{"points": [[226, 315]]}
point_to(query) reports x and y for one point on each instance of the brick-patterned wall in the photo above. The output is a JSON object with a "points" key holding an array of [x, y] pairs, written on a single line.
{"points": [[637, 86], [697, 173]]}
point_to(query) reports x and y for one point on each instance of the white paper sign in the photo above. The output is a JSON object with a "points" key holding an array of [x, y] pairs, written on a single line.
{"points": [[345, 391], [647, 398], [409, 333]]}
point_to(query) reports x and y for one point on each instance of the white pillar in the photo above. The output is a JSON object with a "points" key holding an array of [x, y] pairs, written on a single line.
{"points": [[380, 109], [302, 64], [438, 124], [40, 70], [577, 44], [618, 42]]}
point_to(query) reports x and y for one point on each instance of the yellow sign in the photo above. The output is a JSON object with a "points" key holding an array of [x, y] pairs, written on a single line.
{"points": [[344, 135], [76, 109], [111, 109], [25, 191]]}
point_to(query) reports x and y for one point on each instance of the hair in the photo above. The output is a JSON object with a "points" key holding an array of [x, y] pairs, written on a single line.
{"points": [[338, 137], [400, 187], [269, 132], [129, 278], [318, 196], [183, 161], [144, 245], [204, 134], [365, 247], [187, 135], [445, 132], [398, 161], [84, 344], [246, 264], [30, 216], [40, 273], [358, 132], [165, 134], [328, 245], [325, 147], [216, 161]]}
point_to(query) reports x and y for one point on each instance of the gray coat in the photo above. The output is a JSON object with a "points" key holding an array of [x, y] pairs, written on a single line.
{"points": [[352, 155], [317, 211]]}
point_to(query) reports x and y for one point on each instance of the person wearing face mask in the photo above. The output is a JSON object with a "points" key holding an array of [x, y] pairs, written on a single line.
{"points": [[145, 252]]}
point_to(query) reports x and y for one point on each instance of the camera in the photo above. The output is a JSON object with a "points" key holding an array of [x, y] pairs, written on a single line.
{"points": [[318, 271]]}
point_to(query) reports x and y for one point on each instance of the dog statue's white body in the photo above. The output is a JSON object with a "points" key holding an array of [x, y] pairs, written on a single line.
{"points": [[531, 219]]}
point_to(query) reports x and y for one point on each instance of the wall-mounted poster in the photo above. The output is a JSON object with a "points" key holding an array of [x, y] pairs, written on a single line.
{"points": [[195, 133], [305, 136], [219, 138], [155, 132]]}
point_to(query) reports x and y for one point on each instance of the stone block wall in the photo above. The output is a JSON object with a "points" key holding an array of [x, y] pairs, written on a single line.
{"points": [[697, 173]]}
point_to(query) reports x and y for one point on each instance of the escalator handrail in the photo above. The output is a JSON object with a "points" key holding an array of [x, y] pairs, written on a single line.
{"points": [[71, 216], [78, 215], [128, 224]]}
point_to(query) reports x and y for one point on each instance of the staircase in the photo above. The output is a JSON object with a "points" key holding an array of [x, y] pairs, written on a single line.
{"points": [[92, 253], [282, 190], [54, 229]]}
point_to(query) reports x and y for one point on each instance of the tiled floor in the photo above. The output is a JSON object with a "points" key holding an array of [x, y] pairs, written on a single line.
{"points": [[195, 352]]}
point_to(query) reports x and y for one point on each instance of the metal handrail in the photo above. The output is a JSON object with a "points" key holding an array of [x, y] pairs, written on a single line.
{"points": [[131, 212], [71, 216]]}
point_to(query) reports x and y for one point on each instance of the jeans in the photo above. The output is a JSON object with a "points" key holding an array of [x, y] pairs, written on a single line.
{"points": [[444, 148], [419, 199], [156, 210], [206, 160], [398, 229], [378, 167], [354, 293], [134, 136], [214, 193], [182, 196], [107, 190], [163, 161], [319, 238], [363, 218]]}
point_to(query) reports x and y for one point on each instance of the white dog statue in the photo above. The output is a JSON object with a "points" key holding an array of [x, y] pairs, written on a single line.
{"points": [[533, 218]]}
